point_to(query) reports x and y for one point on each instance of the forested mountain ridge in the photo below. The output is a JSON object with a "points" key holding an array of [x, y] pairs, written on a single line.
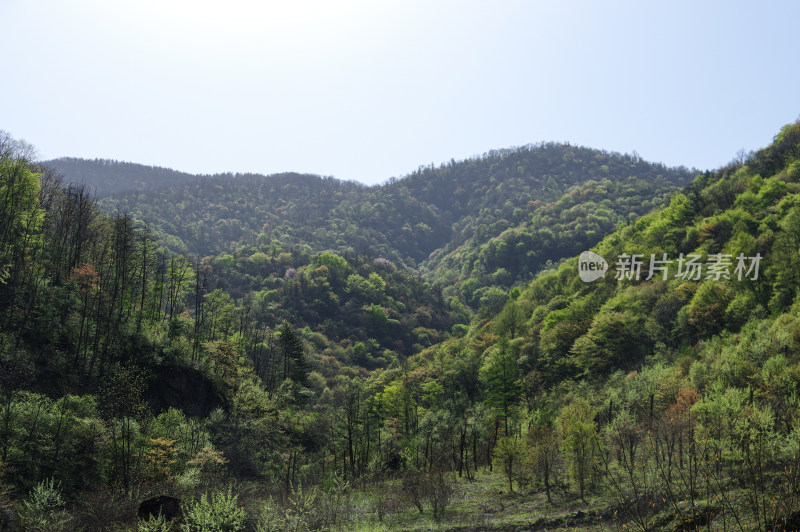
{"points": [[480, 268], [493, 220], [104, 177], [747, 210]]}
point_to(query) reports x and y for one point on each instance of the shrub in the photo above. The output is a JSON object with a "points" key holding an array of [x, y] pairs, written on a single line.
{"points": [[270, 518], [158, 523], [99, 508], [302, 509], [434, 487], [218, 513], [44, 509], [440, 491], [335, 500]]}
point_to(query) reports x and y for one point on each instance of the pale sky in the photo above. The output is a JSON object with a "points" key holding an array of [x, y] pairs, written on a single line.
{"points": [[367, 90]]}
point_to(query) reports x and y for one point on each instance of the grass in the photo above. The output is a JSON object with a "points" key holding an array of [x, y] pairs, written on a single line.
{"points": [[484, 503]]}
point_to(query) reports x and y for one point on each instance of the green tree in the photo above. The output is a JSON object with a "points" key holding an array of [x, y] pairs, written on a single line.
{"points": [[44, 510], [509, 453], [501, 377], [578, 432], [614, 339], [123, 406], [294, 362], [543, 457], [706, 311]]}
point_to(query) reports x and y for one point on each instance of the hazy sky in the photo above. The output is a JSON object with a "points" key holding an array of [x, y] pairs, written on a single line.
{"points": [[371, 89]]}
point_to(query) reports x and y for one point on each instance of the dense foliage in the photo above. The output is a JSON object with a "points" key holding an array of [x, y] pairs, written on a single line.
{"points": [[493, 220], [676, 396], [293, 384]]}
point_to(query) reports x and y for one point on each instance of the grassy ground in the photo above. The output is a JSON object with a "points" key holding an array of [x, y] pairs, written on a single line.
{"points": [[483, 504]]}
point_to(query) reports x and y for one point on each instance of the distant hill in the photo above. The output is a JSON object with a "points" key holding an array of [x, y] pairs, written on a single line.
{"points": [[105, 176], [488, 221]]}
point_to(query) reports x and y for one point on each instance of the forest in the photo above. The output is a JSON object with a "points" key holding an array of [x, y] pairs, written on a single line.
{"points": [[294, 352]]}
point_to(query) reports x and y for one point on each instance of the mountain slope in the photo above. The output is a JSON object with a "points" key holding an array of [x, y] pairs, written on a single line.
{"points": [[642, 394], [491, 212], [575, 328]]}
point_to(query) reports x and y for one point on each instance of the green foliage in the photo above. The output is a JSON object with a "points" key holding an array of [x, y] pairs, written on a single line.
{"points": [[270, 517], [501, 375], [157, 523], [295, 367], [615, 339], [402, 219], [578, 433], [301, 511], [301, 507], [542, 459], [44, 509], [336, 501], [217, 513], [293, 361], [706, 312], [509, 454]]}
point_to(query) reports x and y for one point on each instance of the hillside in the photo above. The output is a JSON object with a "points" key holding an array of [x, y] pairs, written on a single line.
{"points": [[104, 177], [298, 388], [747, 210], [475, 227], [665, 390]]}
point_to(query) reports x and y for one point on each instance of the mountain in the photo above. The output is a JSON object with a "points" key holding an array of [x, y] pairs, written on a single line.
{"points": [[106, 176], [655, 386], [474, 226], [332, 375], [572, 328]]}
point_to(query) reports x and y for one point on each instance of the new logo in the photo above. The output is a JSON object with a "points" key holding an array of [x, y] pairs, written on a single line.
{"points": [[591, 266]]}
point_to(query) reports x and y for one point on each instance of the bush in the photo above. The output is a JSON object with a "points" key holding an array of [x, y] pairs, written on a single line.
{"points": [[301, 511], [414, 488], [270, 517], [7, 514], [155, 524], [434, 487], [44, 509], [335, 500], [218, 513], [440, 493], [385, 501], [98, 509]]}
